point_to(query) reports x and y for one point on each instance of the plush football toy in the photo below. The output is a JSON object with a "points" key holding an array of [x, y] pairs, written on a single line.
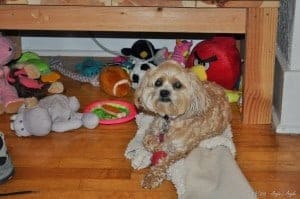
{"points": [[114, 80], [221, 59]]}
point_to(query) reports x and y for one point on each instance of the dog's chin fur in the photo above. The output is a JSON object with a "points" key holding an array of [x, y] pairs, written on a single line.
{"points": [[187, 100]]}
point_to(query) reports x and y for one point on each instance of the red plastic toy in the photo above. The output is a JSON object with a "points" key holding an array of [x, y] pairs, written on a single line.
{"points": [[112, 111]]}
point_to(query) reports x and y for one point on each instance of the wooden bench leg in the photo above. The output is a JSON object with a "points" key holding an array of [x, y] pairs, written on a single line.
{"points": [[259, 65]]}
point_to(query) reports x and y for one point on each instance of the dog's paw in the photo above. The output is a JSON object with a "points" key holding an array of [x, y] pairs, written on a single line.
{"points": [[153, 180], [151, 142]]}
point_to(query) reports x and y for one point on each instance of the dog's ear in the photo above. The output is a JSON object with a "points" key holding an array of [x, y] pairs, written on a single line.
{"points": [[137, 97], [199, 94], [141, 87]]}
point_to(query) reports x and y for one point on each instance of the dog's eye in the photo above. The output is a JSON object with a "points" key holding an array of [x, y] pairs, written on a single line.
{"points": [[158, 82], [177, 85]]}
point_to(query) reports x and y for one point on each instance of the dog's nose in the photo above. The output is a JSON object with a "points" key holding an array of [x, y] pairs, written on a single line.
{"points": [[164, 93]]}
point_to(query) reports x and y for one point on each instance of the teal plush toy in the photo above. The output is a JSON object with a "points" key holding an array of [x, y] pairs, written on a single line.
{"points": [[89, 67]]}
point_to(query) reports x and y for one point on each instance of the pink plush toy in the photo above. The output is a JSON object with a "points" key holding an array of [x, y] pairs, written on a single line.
{"points": [[181, 51], [9, 100]]}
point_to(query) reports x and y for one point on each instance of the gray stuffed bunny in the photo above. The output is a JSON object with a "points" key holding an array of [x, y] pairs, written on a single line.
{"points": [[57, 113]]}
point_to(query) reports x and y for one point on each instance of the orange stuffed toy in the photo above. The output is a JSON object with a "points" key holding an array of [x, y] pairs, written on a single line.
{"points": [[115, 81]]}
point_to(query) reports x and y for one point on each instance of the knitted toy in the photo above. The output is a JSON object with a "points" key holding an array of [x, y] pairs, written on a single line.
{"points": [[115, 81], [9, 100], [181, 51], [221, 59], [57, 113], [56, 64]]}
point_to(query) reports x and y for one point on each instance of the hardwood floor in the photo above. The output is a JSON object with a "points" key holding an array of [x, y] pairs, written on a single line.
{"points": [[91, 163]]}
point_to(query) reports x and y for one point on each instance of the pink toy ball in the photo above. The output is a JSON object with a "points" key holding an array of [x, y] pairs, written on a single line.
{"points": [[112, 111]]}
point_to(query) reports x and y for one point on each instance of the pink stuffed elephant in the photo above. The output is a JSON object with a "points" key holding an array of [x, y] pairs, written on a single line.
{"points": [[9, 100]]}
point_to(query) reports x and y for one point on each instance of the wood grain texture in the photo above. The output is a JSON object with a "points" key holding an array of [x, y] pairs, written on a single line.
{"points": [[259, 65], [240, 3], [164, 3], [91, 164], [128, 19]]}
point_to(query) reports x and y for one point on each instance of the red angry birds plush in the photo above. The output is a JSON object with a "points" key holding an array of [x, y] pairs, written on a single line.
{"points": [[221, 59]]}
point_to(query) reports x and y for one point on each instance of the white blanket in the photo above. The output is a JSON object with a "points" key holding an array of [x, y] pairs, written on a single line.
{"points": [[208, 172]]}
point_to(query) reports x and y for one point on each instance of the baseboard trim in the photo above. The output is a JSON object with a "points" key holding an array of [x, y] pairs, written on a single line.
{"points": [[71, 53], [283, 128]]}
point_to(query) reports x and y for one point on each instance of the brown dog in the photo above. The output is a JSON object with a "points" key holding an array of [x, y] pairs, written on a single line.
{"points": [[186, 110]]}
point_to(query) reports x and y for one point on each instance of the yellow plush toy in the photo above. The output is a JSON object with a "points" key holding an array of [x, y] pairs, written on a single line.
{"points": [[233, 95], [199, 70]]}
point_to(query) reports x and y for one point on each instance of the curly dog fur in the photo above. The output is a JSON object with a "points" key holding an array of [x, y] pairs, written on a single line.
{"points": [[186, 111]]}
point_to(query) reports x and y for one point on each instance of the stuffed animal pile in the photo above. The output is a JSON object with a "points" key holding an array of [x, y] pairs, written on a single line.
{"points": [[216, 59], [32, 77]]}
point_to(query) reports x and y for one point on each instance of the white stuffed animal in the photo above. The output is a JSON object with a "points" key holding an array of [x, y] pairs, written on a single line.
{"points": [[140, 66], [57, 113]]}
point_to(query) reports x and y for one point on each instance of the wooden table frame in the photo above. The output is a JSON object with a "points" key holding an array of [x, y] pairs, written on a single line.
{"points": [[258, 23]]}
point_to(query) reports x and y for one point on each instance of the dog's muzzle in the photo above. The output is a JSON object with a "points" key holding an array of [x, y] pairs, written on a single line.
{"points": [[164, 95]]}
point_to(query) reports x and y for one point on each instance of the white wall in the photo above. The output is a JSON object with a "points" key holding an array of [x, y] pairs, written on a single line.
{"points": [[295, 47], [286, 110], [78, 46]]}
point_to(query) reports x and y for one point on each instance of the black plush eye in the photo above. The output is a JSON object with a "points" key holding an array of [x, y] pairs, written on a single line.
{"points": [[158, 82], [177, 85]]}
